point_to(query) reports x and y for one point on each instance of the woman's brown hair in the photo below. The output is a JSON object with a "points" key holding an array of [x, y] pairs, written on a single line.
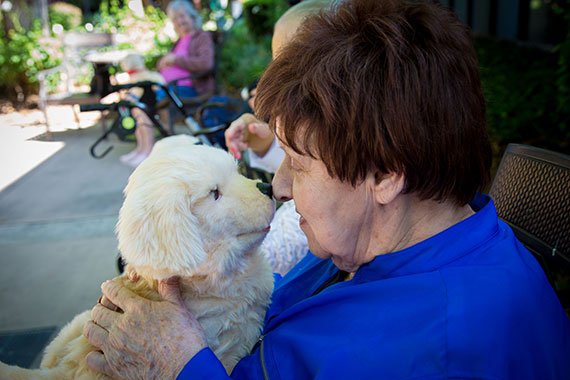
{"points": [[378, 86]]}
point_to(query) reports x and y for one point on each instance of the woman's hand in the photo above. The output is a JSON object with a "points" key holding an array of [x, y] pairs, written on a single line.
{"points": [[166, 61], [144, 339], [248, 132]]}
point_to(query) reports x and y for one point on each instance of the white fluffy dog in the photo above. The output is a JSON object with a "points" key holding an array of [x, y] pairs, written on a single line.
{"points": [[187, 212]]}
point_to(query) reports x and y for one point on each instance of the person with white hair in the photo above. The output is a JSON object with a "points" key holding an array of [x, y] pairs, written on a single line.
{"points": [[192, 53]]}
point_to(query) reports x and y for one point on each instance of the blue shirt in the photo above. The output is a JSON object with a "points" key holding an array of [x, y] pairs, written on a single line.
{"points": [[469, 302]]}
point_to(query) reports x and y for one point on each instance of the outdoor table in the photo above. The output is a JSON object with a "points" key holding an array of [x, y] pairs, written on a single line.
{"points": [[101, 61]]}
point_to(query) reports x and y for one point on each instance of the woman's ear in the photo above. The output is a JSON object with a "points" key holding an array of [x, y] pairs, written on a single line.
{"points": [[388, 186]]}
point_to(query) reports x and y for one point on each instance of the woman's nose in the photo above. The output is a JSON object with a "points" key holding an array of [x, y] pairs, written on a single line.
{"points": [[282, 183]]}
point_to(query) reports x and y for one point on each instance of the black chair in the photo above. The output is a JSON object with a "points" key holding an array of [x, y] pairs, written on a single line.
{"points": [[531, 192], [207, 122]]}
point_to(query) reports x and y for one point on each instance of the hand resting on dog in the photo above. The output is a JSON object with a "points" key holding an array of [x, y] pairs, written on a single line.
{"points": [[229, 262], [190, 229], [114, 332]]}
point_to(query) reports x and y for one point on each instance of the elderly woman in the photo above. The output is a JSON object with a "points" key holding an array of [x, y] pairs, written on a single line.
{"points": [[192, 53], [379, 109]]}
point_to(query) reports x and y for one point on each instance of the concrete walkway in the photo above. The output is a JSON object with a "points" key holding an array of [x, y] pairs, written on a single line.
{"points": [[58, 209]]}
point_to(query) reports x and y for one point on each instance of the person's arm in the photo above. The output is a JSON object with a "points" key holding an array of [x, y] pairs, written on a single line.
{"points": [[285, 244], [200, 56], [270, 161], [253, 135], [204, 365]]}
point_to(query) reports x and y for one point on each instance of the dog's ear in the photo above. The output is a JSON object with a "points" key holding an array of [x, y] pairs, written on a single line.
{"points": [[159, 235]]}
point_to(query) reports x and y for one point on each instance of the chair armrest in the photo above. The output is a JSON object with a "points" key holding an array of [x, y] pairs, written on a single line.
{"points": [[202, 74], [199, 75], [143, 84]]}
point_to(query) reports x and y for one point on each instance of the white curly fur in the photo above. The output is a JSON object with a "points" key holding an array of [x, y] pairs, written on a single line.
{"points": [[172, 224]]}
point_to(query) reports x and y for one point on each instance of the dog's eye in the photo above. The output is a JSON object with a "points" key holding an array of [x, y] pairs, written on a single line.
{"points": [[216, 193]]}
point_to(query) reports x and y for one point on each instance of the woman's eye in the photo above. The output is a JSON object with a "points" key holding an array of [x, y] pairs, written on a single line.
{"points": [[216, 193]]}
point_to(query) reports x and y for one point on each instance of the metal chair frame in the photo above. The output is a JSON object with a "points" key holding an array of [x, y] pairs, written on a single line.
{"points": [[193, 117]]}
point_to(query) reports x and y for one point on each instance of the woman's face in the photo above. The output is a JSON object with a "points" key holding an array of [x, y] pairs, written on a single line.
{"points": [[335, 216], [183, 22]]}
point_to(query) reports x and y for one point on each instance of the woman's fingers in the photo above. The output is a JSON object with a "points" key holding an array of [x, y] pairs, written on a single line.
{"points": [[131, 337], [165, 61], [169, 290], [261, 129], [95, 360], [234, 138], [119, 295], [259, 137], [96, 335], [248, 132], [131, 273], [108, 304], [104, 317]]}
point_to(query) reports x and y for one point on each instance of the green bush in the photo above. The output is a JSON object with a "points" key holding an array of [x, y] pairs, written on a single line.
{"points": [[21, 57], [519, 84], [25, 52], [67, 15], [261, 15], [247, 47], [563, 79], [156, 19], [109, 16], [244, 57]]}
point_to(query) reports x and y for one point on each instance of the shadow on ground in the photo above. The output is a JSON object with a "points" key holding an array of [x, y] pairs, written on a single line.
{"points": [[57, 242]]}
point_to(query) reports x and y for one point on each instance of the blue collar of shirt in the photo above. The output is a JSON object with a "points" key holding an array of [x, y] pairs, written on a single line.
{"points": [[429, 255], [439, 250]]}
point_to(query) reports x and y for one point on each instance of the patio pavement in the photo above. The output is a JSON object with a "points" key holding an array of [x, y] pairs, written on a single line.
{"points": [[58, 209]]}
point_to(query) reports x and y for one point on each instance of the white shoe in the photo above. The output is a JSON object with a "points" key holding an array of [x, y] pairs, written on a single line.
{"points": [[136, 160], [125, 158]]}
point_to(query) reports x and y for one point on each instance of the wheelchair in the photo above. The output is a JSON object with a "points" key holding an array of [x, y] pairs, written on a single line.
{"points": [[206, 121]]}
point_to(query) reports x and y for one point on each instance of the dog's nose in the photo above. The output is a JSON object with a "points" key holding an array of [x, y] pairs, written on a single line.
{"points": [[265, 188]]}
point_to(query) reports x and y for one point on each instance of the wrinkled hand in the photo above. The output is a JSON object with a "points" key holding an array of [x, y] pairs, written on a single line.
{"points": [[133, 276], [166, 61], [131, 273], [248, 132], [144, 339]]}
